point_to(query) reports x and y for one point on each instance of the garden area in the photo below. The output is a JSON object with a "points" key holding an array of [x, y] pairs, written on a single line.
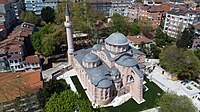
{"points": [[150, 96]]}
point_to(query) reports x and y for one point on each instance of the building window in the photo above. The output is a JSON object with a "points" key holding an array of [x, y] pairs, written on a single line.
{"points": [[129, 79], [11, 61], [16, 61]]}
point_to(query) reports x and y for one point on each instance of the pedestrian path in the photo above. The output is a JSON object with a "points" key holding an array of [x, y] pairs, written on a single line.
{"points": [[66, 76]]}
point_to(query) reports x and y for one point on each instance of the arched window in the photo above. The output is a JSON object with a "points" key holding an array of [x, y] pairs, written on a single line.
{"points": [[129, 79]]}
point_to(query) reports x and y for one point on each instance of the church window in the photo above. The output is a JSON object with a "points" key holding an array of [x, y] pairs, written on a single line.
{"points": [[129, 79]]}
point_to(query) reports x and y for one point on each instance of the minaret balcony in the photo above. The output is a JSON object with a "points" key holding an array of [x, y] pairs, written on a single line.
{"points": [[68, 24]]}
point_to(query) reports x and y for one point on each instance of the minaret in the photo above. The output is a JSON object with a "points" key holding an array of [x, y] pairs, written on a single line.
{"points": [[68, 25]]}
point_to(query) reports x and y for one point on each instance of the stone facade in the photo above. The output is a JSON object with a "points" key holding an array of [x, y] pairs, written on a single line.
{"points": [[110, 70]]}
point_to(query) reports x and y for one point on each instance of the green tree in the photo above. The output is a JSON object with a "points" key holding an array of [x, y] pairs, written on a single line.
{"points": [[181, 62], [155, 51], [170, 102], [197, 53], [67, 101], [48, 14], [47, 38], [185, 39], [30, 17], [83, 17], [135, 29], [145, 25], [119, 24], [162, 39], [51, 87]]}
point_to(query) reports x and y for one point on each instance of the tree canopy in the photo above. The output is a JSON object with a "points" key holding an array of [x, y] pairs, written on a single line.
{"points": [[48, 38], [30, 17], [134, 28], [145, 25], [51, 87], [162, 39], [67, 101], [170, 102], [197, 53], [48, 14], [119, 23], [185, 39], [155, 51], [180, 61]]}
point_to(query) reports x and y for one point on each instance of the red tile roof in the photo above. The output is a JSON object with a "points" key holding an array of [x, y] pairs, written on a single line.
{"points": [[17, 84], [157, 0], [139, 39], [4, 1], [155, 9], [32, 59], [150, 35], [197, 26], [14, 48], [16, 56]]}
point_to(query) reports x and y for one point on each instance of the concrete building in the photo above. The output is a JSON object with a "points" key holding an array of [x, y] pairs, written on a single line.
{"points": [[137, 40], [142, 13], [196, 43], [152, 2], [107, 71], [37, 5], [18, 6], [178, 19], [7, 17], [197, 29], [109, 7], [102, 6], [120, 7], [14, 51]]}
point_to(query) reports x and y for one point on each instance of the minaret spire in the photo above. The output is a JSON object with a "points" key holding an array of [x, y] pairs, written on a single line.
{"points": [[68, 25]]}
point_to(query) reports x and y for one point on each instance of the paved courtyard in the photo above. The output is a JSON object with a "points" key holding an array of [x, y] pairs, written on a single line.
{"points": [[66, 76], [178, 87]]}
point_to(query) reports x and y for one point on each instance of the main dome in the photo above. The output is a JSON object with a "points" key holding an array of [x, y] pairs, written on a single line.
{"points": [[117, 39]]}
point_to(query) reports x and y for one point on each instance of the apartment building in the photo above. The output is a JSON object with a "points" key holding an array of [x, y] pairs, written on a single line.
{"points": [[120, 7], [178, 19], [102, 6], [7, 17], [152, 2], [152, 14], [133, 12], [18, 7], [109, 7], [14, 54], [37, 5]]}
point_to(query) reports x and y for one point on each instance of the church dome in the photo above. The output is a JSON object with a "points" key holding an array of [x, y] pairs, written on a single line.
{"points": [[117, 39], [114, 71], [127, 61], [97, 47], [90, 57]]}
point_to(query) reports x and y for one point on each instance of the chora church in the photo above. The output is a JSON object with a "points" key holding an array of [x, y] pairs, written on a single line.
{"points": [[107, 70]]}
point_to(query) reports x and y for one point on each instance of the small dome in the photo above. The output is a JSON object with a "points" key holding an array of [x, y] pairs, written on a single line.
{"points": [[90, 57], [114, 71], [105, 83], [97, 47], [127, 61], [117, 39]]}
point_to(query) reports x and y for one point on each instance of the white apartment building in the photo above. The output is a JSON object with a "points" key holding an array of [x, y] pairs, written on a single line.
{"points": [[37, 5], [178, 19], [152, 2], [120, 7]]}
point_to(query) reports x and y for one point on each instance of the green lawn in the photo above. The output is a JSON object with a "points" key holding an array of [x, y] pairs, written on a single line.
{"points": [[79, 87], [130, 106]]}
